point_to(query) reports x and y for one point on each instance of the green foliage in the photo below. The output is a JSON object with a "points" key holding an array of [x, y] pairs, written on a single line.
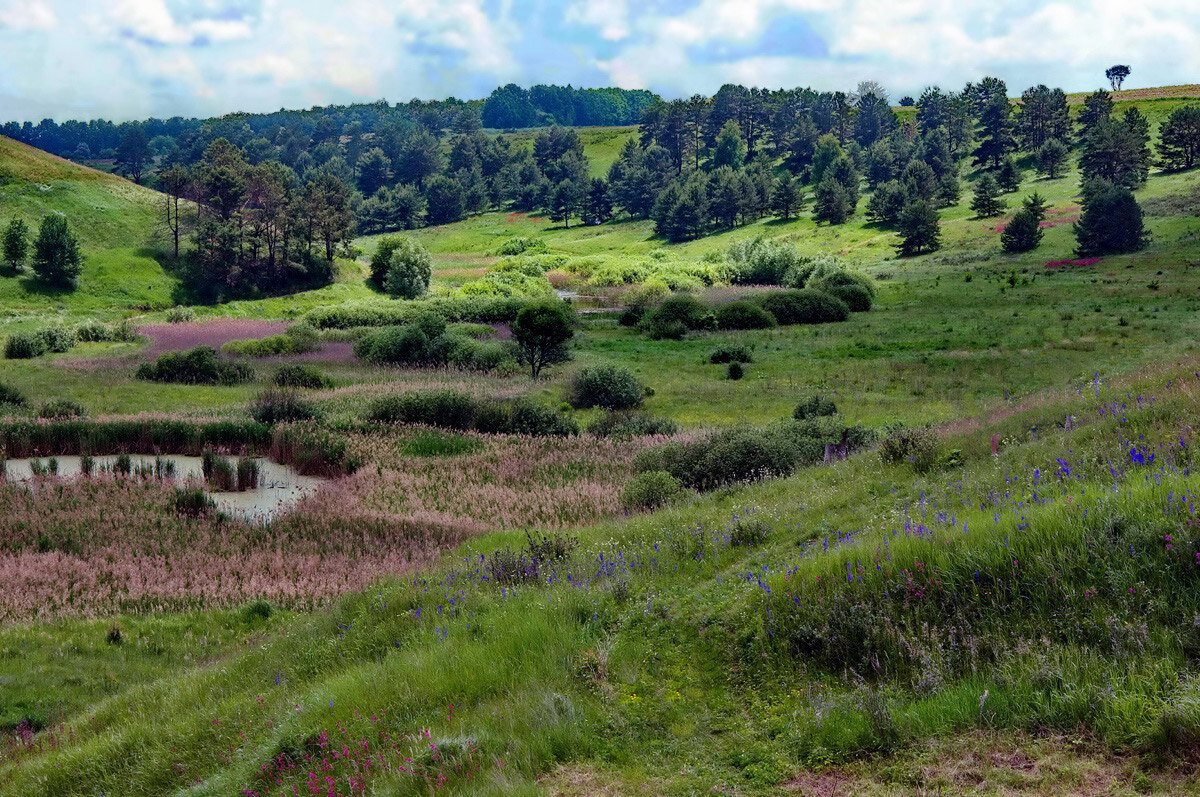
{"points": [[744, 315], [198, 366], [440, 444], [281, 405], [731, 353], [11, 396], [298, 339], [735, 371], [61, 408], [814, 406], [1024, 232], [542, 331], [918, 446], [1052, 157], [623, 425], [721, 458], [987, 202], [519, 245], [610, 387], [1179, 138], [805, 306], [518, 277], [650, 490], [25, 345], [763, 261], [854, 289], [15, 245], [303, 376], [401, 267], [57, 259], [476, 309], [452, 410], [677, 316], [1111, 222], [920, 229]]}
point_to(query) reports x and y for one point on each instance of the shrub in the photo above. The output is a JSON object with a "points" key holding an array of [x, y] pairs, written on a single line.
{"points": [[917, 446], [854, 289], [804, 269], [312, 449], [641, 300], [198, 366], [631, 424], [611, 387], [856, 297], [305, 376], [61, 408], [10, 395], [519, 245], [677, 316], [722, 458], [744, 315], [731, 353], [24, 345], [735, 371], [805, 306], [746, 531], [401, 266], [761, 261], [281, 405], [814, 406], [525, 417], [298, 339], [541, 332], [258, 610], [649, 490], [178, 315], [479, 309], [444, 408]]}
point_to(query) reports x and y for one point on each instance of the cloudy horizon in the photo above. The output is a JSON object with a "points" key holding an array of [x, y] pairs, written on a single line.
{"points": [[135, 59]]}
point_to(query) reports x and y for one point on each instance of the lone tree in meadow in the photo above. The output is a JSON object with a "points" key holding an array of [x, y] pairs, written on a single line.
{"points": [[1116, 75], [1111, 222], [541, 332], [919, 228], [1052, 156], [56, 257], [1024, 232], [401, 267], [1179, 138], [987, 202], [15, 245]]}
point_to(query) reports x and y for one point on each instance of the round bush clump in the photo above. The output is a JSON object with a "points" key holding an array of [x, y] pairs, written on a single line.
{"points": [[24, 346], [300, 376], [198, 366], [677, 316], [856, 297], [61, 408], [735, 371], [10, 395], [805, 306], [281, 405], [744, 315], [814, 406], [608, 386], [731, 353], [631, 424], [649, 490], [853, 289]]}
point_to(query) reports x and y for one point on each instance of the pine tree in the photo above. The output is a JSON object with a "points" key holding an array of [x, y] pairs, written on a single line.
{"points": [[1179, 138], [56, 257], [597, 206], [1009, 176], [15, 245], [844, 171], [1024, 232], [564, 202], [828, 150], [948, 190], [1111, 222], [1097, 108], [887, 203], [995, 132], [831, 205], [920, 230], [730, 148], [1052, 156], [987, 202], [787, 196], [1043, 116]]}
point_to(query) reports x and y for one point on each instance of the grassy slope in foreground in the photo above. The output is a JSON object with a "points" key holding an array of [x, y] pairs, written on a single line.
{"points": [[116, 222], [731, 643]]}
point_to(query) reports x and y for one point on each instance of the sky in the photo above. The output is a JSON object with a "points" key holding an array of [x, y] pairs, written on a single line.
{"points": [[132, 59]]}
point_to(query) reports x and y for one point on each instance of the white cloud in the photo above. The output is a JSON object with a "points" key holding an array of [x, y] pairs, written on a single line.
{"points": [[609, 17], [27, 15]]}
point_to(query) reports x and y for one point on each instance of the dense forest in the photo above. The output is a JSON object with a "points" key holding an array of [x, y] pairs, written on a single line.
{"points": [[279, 192]]}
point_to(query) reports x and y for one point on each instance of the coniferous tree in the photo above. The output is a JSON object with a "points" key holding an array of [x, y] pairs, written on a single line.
{"points": [[597, 205], [57, 260], [948, 190], [1043, 116], [887, 203], [1111, 222], [1097, 107], [446, 200], [919, 228], [1179, 139], [831, 204], [133, 153], [374, 171], [15, 245], [827, 151], [1024, 232], [987, 202], [1052, 156], [565, 201], [787, 196], [1008, 177], [996, 138], [730, 147], [1114, 152], [846, 174]]}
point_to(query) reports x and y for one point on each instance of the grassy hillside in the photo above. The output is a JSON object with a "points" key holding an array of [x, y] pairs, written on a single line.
{"points": [[116, 222]]}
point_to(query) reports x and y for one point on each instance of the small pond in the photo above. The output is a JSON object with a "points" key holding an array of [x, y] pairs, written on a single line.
{"points": [[279, 486]]}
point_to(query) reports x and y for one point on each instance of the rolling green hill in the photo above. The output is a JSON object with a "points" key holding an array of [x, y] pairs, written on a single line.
{"points": [[116, 221]]}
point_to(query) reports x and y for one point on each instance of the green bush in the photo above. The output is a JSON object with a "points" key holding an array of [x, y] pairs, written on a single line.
{"points": [[10, 395], [25, 345], [744, 315], [855, 297], [649, 490], [917, 446], [298, 339], [24, 438], [610, 387], [805, 306], [305, 376], [281, 405], [731, 353], [198, 366], [677, 316], [808, 267], [723, 457], [59, 339], [61, 408], [311, 448], [178, 315], [631, 424], [524, 417], [735, 371], [519, 245], [475, 309], [814, 406], [761, 261], [854, 289], [445, 408]]}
